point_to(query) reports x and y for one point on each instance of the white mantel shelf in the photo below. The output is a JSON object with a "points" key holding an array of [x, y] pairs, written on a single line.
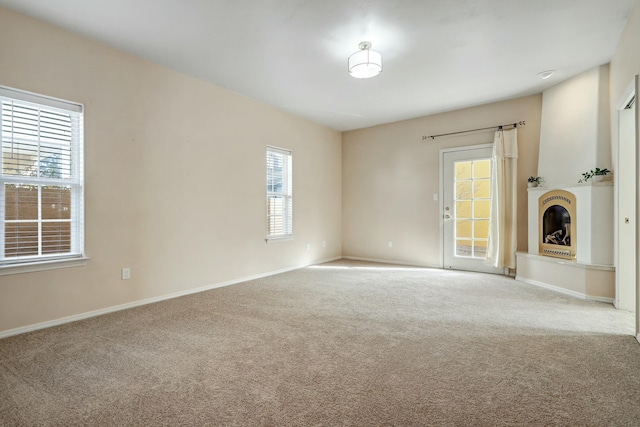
{"points": [[568, 187]]}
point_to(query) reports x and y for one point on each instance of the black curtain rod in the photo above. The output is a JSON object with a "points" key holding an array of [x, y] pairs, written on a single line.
{"points": [[515, 125]]}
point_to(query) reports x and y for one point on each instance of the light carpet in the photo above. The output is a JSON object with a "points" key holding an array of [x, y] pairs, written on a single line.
{"points": [[344, 343]]}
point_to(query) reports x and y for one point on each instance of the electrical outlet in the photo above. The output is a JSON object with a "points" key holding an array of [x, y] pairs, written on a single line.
{"points": [[390, 244], [126, 273]]}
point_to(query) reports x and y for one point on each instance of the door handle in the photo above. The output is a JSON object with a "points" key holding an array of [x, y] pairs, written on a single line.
{"points": [[447, 216]]}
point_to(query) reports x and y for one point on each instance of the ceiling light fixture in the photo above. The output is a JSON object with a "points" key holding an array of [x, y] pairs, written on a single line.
{"points": [[365, 63], [544, 75]]}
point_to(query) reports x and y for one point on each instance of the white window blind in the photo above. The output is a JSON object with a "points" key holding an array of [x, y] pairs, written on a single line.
{"points": [[41, 184], [279, 193]]}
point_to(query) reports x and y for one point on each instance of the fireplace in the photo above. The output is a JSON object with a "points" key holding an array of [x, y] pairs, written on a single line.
{"points": [[570, 240], [557, 224], [570, 224]]}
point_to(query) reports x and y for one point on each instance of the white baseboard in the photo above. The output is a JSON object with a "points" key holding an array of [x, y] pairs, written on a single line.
{"points": [[564, 291], [113, 309], [394, 262], [601, 299]]}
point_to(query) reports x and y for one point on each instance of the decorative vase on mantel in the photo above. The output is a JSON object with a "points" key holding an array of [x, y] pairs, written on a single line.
{"points": [[595, 175], [534, 181]]}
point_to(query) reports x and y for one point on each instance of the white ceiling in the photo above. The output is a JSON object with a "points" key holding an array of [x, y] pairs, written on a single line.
{"points": [[439, 55]]}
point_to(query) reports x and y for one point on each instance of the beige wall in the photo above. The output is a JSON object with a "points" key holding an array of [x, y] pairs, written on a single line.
{"points": [[175, 178], [625, 65], [390, 176], [626, 60], [575, 132], [157, 140]]}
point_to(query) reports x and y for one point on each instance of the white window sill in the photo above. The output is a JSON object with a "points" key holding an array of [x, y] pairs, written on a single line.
{"points": [[30, 267], [278, 239]]}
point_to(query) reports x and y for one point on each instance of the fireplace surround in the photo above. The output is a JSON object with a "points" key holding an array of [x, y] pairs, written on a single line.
{"points": [[557, 235], [573, 252]]}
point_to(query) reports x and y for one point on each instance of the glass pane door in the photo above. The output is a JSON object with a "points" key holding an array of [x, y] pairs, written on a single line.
{"points": [[466, 201], [471, 207]]}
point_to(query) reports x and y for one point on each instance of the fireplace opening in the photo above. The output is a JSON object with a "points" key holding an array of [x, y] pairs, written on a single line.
{"points": [[557, 224]]}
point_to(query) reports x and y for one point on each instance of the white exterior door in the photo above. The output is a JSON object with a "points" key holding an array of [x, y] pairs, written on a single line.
{"points": [[466, 202]]}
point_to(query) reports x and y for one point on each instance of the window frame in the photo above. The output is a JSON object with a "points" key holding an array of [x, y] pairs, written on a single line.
{"points": [[75, 181], [286, 193]]}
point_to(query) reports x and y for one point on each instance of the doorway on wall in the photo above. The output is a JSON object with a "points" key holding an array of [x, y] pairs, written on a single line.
{"points": [[626, 189], [466, 204]]}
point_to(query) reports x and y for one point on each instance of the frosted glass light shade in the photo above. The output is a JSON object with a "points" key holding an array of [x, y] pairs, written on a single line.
{"points": [[365, 63]]}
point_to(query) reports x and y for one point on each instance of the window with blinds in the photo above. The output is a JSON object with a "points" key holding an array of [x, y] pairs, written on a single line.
{"points": [[41, 184], [279, 193]]}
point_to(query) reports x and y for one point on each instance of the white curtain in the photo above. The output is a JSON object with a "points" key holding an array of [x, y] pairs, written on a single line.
{"points": [[503, 230]]}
